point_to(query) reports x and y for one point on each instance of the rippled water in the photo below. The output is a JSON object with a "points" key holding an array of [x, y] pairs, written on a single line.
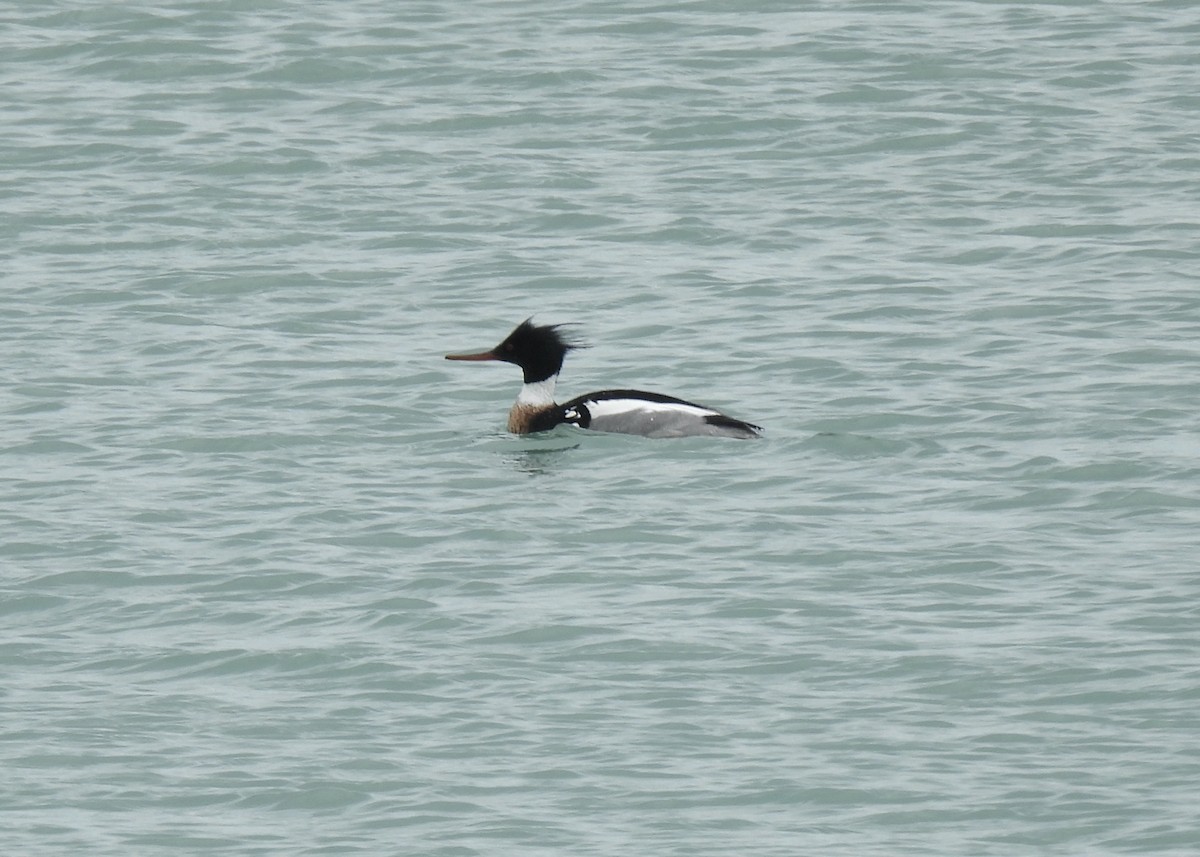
{"points": [[275, 581]]}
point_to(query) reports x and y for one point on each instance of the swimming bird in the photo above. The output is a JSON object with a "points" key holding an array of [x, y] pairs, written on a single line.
{"points": [[540, 349]]}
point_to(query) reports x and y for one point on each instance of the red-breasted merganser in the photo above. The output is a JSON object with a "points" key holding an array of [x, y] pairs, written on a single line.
{"points": [[539, 351]]}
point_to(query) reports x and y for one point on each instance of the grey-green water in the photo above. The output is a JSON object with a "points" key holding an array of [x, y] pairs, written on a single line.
{"points": [[275, 581]]}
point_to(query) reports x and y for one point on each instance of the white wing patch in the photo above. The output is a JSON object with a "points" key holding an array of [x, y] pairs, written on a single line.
{"points": [[618, 407], [648, 418]]}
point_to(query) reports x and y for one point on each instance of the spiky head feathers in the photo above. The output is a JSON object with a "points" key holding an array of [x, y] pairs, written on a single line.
{"points": [[538, 349]]}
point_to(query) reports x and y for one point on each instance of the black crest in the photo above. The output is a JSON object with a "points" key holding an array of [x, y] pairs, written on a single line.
{"points": [[538, 349]]}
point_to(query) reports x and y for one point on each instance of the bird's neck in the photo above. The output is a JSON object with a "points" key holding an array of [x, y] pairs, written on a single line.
{"points": [[538, 394], [535, 398]]}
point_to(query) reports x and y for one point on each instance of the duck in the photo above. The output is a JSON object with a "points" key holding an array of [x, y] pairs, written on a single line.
{"points": [[539, 351]]}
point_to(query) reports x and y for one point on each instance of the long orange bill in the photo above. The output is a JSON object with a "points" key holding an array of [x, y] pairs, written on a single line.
{"points": [[482, 355]]}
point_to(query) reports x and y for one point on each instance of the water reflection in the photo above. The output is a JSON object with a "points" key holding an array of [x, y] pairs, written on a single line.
{"points": [[542, 460]]}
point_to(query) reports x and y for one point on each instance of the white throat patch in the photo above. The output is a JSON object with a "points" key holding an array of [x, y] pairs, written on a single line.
{"points": [[539, 394]]}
